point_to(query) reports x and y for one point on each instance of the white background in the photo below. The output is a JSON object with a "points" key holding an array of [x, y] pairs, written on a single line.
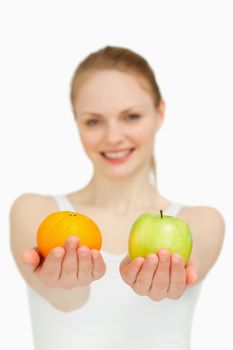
{"points": [[188, 44]]}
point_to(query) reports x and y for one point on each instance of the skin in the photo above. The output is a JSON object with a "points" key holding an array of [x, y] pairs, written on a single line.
{"points": [[160, 275], [122, 189], [69, 267]]}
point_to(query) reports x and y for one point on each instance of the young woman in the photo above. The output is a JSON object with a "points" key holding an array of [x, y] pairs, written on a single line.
{"points": [[81, 298]]}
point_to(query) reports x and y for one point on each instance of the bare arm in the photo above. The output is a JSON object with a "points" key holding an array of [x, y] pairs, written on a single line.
{"points": [[208, 227], [60, 280]]}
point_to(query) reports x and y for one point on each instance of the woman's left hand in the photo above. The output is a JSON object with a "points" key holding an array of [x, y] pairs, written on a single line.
{"points": [[159, 276]]}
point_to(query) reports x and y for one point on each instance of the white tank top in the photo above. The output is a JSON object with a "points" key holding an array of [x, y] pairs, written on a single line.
{"points": [[114, 317]]}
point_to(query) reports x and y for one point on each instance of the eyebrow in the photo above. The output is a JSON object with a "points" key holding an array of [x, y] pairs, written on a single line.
{"points": [[121, 113]]}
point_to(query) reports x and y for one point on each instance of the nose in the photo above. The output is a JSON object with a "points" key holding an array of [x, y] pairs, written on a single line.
{"points": [[114, 133]]}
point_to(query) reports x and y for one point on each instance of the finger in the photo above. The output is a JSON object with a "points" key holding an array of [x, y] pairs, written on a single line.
{"points": [[51, 268], [99, 266], [192, 271], [85, 266], [145, 276], [177, 278], [125, 262], [32, 258], [68, 276], [160, 283], [129, 271]]}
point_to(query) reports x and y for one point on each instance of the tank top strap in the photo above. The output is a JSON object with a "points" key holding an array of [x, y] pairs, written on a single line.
{"points": [[63, 202], [173, 209]]}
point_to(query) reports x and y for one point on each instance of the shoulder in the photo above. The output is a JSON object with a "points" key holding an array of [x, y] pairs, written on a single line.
{"points": [[204, 216], [202, 211], [26, 199], [26, 213], [207, 225], [31, 203]]}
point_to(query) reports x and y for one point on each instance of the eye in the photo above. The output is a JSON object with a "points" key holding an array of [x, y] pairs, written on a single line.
{"points": [[92, 122], [133, 116]]}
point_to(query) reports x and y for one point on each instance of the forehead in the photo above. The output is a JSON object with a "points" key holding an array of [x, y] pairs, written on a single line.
{"points": [[111, 91]]}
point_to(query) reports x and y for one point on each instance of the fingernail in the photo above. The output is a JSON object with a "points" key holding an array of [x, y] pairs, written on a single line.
{"points": [[195, 277], [95, 254], [138, 262], [26, 254], [58, 253], [83, 252], [152, 262], [163, 257], [72, 244]]}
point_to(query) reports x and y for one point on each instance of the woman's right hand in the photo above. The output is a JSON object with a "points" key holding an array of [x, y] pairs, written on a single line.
{"points": [[69, 267]]}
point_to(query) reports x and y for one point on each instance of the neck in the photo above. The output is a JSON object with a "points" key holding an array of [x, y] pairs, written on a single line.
{"points": [[122, 195]]}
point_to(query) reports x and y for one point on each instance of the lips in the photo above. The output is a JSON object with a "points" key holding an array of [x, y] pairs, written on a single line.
{"points": [[117, 159], [118, 154], [118, 151]]}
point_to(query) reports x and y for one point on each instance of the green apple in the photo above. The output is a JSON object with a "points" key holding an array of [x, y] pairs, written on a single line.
{"points": [[152, 232]]}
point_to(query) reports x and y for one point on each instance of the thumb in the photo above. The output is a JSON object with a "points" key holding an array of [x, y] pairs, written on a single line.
{"points": [[192, 271], [31, 258], [126, 260]]}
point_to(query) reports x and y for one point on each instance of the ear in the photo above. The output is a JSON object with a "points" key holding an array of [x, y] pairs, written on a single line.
{"points": [[160, 113]]}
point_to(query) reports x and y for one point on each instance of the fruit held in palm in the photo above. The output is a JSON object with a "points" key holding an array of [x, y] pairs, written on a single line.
{"points": [[58, 226], [152, 232]]}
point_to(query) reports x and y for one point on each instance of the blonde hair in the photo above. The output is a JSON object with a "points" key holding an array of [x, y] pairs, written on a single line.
{"points": [[122, 59]]}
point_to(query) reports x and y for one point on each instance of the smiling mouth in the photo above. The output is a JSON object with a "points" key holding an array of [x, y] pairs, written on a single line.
{"points": [[117, 155]]}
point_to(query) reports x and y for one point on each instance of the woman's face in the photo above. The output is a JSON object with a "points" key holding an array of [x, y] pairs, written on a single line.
{"points": [[115, 113]]}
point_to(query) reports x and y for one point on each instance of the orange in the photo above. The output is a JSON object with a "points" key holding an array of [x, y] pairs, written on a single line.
{"points": [[58, 226]]}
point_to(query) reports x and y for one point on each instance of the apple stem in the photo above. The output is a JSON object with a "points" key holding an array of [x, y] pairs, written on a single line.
{"points": [[161, 213]]}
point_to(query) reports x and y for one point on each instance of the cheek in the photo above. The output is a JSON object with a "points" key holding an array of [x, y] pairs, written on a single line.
{"points": [[144, 134], [90, 140]]}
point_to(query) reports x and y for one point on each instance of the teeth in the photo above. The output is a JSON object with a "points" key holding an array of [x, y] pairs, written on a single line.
{"points": [[117, 155]]}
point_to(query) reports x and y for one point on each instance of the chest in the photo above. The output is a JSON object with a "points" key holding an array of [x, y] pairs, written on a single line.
{"points": [[115, 231]]}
